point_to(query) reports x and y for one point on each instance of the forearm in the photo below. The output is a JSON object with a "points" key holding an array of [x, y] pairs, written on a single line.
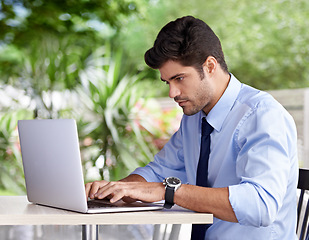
{"points": [[211, 200], [199, 199], [133, 178]]}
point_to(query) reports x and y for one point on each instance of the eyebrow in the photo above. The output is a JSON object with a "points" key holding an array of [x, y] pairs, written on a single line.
{"points": [[173, 77]]}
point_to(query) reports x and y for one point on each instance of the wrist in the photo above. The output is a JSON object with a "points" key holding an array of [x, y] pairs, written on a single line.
{"points": [[172, 184]]}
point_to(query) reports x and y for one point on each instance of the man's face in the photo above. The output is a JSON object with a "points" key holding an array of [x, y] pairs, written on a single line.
{"points": [[187, 88]]}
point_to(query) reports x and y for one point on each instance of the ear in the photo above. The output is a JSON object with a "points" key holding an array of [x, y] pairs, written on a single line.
{"points": [[210, 65]]}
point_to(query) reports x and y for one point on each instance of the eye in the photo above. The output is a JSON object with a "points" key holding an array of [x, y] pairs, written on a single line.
{"points": [[179, 78]]}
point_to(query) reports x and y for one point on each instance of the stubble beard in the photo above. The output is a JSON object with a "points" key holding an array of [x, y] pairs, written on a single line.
{"points": [[202, 97], [202, 102], [194, 109], [191, 112]]}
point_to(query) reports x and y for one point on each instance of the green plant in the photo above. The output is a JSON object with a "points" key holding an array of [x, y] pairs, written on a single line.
{"points": [[114, 142], [50, 64], [11, 172]]}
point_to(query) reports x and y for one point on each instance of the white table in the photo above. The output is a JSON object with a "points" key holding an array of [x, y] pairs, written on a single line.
{"points": [[16, 210]]}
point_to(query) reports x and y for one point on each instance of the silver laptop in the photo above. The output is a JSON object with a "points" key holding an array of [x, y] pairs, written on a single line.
{"points": [[53, 169]]}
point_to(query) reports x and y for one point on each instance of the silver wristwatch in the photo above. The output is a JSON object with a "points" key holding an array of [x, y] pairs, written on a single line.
{"points": [[171, 186]]}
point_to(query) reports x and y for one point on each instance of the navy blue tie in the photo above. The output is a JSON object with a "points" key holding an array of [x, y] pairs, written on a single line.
{"points": [[199, 230]]}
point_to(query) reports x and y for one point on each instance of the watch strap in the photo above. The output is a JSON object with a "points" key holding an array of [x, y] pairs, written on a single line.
{"points": [[169, 197]]}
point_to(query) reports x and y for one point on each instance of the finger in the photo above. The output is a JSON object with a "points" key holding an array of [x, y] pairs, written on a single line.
{"points": [[117, 191], [105, 191], [95, 186], [110, 190], [87, 189], [121, 193]]}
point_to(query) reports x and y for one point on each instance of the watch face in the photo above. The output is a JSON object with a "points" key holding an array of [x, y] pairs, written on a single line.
{"points": [[173, 181]]}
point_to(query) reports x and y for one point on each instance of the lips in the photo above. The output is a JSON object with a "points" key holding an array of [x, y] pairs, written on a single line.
{"points": [[181, 103]]}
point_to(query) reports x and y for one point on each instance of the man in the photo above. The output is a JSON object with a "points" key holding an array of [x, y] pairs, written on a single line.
{"points": [[251, 180]]}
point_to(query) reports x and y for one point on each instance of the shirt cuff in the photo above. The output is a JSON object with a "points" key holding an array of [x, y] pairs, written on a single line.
{"points": [[146, 173], [244, 201]]}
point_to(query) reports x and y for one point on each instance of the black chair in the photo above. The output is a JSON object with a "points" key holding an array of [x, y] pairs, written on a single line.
{"points": [[303, 185]]}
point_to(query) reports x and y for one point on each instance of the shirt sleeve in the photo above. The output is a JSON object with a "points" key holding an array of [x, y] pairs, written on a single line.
{"points": [[168, 162], [266, 144]]}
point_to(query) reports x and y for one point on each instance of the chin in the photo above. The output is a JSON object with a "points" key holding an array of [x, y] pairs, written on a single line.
{"points": [[190, 113]]}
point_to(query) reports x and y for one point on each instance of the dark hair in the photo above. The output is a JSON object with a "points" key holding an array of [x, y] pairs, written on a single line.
{"points": [[188, 40]]}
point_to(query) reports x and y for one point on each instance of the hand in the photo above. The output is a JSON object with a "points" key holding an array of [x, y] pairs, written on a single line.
{"points": [[127, 191], [93, 187]]}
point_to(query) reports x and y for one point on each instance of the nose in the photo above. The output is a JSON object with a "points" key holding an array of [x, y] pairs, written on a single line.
{"points": [[174, 91]]}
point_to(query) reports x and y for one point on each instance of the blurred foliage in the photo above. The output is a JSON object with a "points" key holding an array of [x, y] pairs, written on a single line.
{"points": [[108, 120], [45, 48], [265, 42], [268, 47], [83, 59], [27, 19], [11, 176], [52, 65], [33, 26]]}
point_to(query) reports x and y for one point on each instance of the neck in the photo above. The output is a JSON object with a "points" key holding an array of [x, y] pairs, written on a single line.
{"points": [[224, 80], [221, 80]]}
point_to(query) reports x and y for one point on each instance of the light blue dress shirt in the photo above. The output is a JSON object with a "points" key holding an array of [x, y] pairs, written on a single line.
{"points": [[253, 153]]}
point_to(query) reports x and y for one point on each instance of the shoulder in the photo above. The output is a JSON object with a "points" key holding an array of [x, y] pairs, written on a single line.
{"points": [[259, 102], [255, 98], [260, 110], [264, 114]]}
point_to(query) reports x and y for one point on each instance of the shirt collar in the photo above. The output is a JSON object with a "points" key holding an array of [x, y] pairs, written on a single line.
{"points": [[219, 112]]}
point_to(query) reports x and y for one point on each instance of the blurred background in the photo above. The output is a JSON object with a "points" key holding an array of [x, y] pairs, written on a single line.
{"points": [[83, 59]]}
